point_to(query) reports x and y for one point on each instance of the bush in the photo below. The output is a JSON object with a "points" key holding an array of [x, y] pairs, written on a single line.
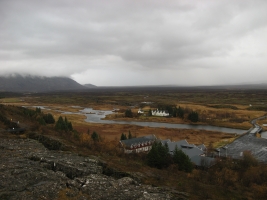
{"points": [[193, 116], [129, 113], [180, 112], [95, 137]]}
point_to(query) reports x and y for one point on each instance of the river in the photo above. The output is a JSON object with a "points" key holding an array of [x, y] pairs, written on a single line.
{"points": [[97, 116]]}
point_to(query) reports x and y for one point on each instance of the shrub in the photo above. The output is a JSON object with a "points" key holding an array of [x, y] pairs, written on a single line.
{"points": [[128, 113], [193, 116], [95, 137]]}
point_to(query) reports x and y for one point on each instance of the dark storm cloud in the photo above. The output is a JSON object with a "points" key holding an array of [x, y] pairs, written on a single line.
{"points": [[147, 39]]}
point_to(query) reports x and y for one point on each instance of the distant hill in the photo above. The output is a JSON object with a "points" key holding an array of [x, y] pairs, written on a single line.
{"points": [[90, 85], [20, 83]]}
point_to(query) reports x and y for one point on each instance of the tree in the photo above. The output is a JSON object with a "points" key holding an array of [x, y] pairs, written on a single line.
{"points": [[29, 112], [123, 136], [68, 124], [150, 112], [153, 156], [95, 137], [76, 135], [158, 156], [49, 119], [70, 128], [128, 113], [248, 161], [38, 110], [41, 121], [129, 135], [63, 125], [182, 160], [180, 112], [60, 125], [193, 116]]}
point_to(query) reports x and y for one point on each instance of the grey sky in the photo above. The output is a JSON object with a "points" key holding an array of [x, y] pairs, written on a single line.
{"points": [[142, 42]]}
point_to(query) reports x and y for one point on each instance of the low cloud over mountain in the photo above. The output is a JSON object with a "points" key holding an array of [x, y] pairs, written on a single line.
{"points": [[20, 83]]}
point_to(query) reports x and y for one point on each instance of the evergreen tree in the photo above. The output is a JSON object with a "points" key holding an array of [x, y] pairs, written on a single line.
{"points": [[123, 136], [60, 124], [49, 119], [158, 156], [38, 110], [95, 137], [76, 135], [152, 156], [41, 121], [29, 112], [182, 160], [128, 113], [150, 112], [180, 112], [193, 116], [63, 125], [129, 135], [66, 120], [70, 128]]}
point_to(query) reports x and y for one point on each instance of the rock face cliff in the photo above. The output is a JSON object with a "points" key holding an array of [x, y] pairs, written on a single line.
{"points": [[30, 171]]}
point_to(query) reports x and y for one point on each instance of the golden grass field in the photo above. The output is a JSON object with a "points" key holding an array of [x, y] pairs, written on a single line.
{"points": [[113, 131], [220, 182], [210, 115]]}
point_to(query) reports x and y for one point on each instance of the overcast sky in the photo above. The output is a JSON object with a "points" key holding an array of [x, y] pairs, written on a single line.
{"points": [[136, 42]]}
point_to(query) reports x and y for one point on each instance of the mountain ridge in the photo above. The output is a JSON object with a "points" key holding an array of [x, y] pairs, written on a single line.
{"points": [[18, 83], [88, 85]]}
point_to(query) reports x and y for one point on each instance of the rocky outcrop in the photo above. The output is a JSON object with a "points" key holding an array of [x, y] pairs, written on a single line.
{"points": [[49, 143], [30, 171]]}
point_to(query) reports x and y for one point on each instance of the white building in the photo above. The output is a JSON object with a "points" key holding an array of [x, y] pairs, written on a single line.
{"points": [[140, 111], [160, 113]]}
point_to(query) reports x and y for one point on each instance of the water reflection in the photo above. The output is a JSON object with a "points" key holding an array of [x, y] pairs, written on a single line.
{"points": [[97, 116]]}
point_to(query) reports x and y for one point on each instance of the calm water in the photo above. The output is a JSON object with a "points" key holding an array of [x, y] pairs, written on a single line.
{"points": [[97, 116]]}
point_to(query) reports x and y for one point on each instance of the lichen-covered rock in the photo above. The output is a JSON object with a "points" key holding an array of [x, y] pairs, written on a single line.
{"points": [[29, 171]]}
